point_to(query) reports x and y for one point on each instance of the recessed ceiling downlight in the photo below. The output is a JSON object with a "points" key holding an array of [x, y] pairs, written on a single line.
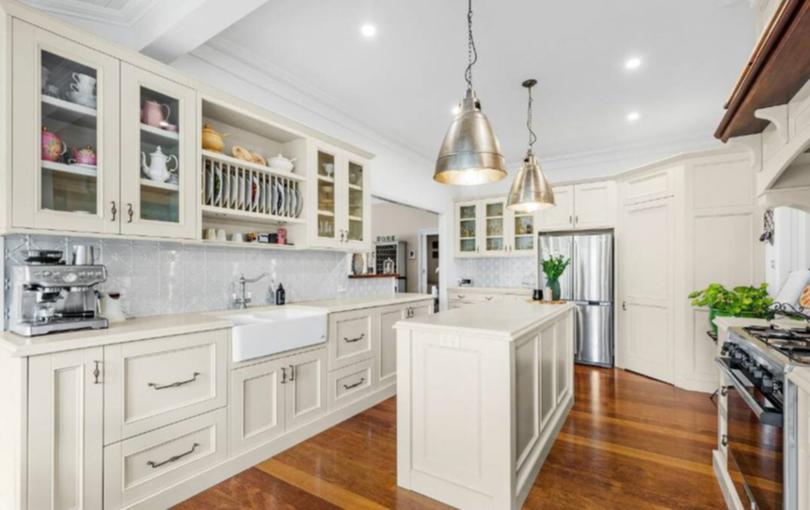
{"points": [[632, 63], [633, 116], [368, 30]]}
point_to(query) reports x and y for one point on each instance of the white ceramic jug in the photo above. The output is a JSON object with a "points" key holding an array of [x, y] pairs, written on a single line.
{"points": [[158, 168]]}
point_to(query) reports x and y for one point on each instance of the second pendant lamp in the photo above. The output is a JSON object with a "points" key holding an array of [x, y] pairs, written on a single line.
{"points": [[470, 153], [530, 190]]}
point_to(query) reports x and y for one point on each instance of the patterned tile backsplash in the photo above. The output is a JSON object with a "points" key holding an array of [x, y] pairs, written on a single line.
{"points": [[499, 272], [158, 278]]}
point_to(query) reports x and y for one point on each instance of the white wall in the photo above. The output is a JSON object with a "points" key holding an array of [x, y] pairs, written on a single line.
{"points": [[791, 247]]}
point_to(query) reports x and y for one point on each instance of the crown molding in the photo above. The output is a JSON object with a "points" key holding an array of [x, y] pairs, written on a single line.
{"points": [[258, 72], [127, 16]]}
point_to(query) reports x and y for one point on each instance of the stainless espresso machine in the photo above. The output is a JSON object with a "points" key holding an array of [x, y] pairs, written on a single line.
{"points": [[49, 296]]}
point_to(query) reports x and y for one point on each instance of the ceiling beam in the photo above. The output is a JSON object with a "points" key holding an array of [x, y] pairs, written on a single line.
{"points": [[196, 26]]}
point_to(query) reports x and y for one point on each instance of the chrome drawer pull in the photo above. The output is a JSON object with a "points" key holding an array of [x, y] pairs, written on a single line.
{"points": [[174, 384], [355, 385], [96, 372], [174, 458], [352, 340]]}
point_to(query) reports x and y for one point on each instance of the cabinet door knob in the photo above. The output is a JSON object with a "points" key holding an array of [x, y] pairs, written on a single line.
{"points": [[624, 305], [96, 372], [113, 210], [130, 213], [292, 373], [570, 219], [283, 375]]}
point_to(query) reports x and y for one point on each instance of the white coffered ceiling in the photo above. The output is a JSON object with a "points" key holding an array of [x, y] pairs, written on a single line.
{"points": [[404, 81]]}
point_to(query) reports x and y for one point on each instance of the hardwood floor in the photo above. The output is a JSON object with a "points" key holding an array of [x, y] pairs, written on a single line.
{"points": [[629, 443]]}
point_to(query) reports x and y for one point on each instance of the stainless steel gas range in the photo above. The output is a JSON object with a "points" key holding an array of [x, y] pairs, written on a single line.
{"points": [[762, 414]]}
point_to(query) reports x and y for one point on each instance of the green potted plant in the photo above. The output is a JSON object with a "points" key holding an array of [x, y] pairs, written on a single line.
{"points": [[742, 301], [553, 267]]}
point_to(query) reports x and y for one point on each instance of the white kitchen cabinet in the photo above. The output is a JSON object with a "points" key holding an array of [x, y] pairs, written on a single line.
{"points": [[580, 207], [561, 216], [595, 205], [467, 229], [152, 383], [487, 228], [257, 404], [387, 335], [65, 426], [350, 337], [304, 388], [350, 383], [155, 203], [51, 189], [342, 199]]}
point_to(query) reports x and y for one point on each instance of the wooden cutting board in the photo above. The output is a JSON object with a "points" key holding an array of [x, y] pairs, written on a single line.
{"points": [[804, 300]]}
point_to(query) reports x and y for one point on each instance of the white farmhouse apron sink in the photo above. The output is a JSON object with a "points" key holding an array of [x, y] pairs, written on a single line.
{"points": [[263, 333]]}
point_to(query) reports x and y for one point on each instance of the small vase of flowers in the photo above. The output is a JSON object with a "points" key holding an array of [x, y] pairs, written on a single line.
{"points": [[553, 267]]}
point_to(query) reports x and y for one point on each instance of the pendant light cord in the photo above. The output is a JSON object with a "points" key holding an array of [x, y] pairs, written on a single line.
{"points": [[532, 135], [472, 53]]}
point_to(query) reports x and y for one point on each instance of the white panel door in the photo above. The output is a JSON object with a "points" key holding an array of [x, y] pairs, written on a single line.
{"points": [[65, 120], [646, 272], [65, 430], [595, 205], [256, 404], [561, 216], [305, 388]]}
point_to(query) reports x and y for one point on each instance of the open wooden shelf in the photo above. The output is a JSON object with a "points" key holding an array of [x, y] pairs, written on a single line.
{"points": [[223, 158], [250, 216], [70, 169], [167, 186]]}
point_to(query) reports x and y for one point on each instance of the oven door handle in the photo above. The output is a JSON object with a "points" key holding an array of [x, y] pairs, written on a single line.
{"points": [[764, 416]]}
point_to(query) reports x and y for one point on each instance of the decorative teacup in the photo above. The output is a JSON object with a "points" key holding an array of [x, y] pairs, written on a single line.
{"points": [[85, 156], [83, 84], [155, 114]]}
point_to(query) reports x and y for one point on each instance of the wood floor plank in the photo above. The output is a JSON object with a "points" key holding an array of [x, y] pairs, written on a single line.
{"points": [[629, 443]]}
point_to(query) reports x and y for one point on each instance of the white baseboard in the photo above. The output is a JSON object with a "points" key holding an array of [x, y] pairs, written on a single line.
{"points": [[186, 489], [724, 480]]}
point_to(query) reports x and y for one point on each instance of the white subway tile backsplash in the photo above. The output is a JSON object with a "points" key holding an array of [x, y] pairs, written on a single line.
{"points": [[157, 278]]}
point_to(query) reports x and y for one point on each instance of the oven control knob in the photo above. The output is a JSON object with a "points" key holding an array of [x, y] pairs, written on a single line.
{"points": [[767, 383]]}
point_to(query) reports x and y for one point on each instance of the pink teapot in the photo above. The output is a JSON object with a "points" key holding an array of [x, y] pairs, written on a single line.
{"points": [[53, 148], [85, 156]]}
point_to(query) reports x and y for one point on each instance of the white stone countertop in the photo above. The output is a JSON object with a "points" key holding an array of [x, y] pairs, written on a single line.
{"points": [[504, 320], [157, 326]]}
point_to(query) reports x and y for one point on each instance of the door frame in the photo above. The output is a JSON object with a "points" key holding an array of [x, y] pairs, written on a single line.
{"points": [[421, 265]]}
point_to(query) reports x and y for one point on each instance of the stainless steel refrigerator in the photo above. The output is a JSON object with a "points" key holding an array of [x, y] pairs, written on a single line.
{"points": [[588, 283]]}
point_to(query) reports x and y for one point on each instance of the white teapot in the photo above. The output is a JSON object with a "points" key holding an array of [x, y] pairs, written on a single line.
{"points": [[158, 168]]}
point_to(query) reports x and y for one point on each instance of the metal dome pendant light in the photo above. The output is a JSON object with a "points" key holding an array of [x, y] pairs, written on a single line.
{"points": [[530, 190], [470, 153]]}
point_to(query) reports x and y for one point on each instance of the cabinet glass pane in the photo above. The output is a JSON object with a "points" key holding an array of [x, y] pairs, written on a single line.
{"points": [[524, 233], [495, 209], [494, 243], [467, 229], [160, 157], [467, 245], [326, 195], [495, 227], [466, 211], [69, 135], [525, 243], [355, 202]]}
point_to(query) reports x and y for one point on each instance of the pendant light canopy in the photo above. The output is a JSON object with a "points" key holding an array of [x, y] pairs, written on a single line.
{"points": [[530, 190], [470, 153]]}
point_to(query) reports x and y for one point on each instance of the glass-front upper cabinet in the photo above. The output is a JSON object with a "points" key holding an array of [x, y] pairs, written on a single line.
{"points": [[467, 229], [158, 156], [325, 195], [522, 233], [66, 143], [494, 227], [357, 229]]}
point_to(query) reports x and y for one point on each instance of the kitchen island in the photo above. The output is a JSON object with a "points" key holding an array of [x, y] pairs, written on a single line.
{"points": [[482, 392]]}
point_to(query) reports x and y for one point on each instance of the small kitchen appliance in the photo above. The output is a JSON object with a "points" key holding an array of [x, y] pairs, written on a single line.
{"points": [[761, 412], [48, 296]]}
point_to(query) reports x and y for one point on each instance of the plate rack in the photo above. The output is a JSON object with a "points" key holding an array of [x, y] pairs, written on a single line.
{"points": [[230, 185]]}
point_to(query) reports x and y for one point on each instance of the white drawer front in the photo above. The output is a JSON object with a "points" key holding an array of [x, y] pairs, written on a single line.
{"points": [[350, 338], [156, 382], [144, 465], [350, 383]]}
